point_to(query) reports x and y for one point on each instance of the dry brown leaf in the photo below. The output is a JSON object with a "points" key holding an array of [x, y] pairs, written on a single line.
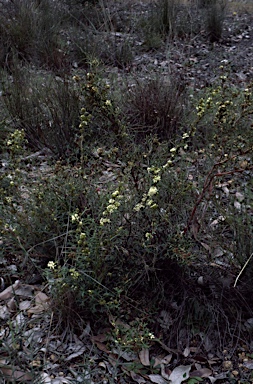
{"points": [[4, 312], [101, 347], [11, 305], [180, 374], [101, 338], [25, 290], [36, 309], [158, 379], [139, 379], [9, 292], [202, 372], [186, 352], [113, 359], [165, 372], [11, 373], [41, 298], [24, 305], [42, 304], [162, 360], [144, 357]]}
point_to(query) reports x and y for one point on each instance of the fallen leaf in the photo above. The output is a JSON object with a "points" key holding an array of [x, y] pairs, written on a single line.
{"points": [[101, 338], [144, 357], [165, 372], [4, 312], [220, 376], [24, 305], [41, 298], [101, 347], [186, 352], [11, 305], [203, 372], [14, 373], [139, 379], [157, 379], [240, 197], [179, 374], [248, 364], [9, 292], [128, 356], [41, 304], [25, 290], [165, 360], [79, 352]]}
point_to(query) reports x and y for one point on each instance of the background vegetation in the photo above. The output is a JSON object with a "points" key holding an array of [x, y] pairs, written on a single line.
{"points": [[143, 199]]}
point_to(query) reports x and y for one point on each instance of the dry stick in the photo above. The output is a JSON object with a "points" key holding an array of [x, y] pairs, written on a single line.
{"points": [[207, 183], [241, 271]]}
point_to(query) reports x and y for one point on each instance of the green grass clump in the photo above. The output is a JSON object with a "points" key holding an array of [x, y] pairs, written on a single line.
{"points": [[156, 106], [45, 107], [30, 30]]}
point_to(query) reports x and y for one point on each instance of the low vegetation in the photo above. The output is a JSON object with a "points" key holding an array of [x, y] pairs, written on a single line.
{"points": [[129, 198]]}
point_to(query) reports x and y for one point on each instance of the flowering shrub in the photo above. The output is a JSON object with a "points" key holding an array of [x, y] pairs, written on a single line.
{"points": [[126, 239]]}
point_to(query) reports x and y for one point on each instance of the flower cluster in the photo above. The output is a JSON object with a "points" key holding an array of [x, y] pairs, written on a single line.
{"points": [[114, 204], [156, 172], [222, 111], [16, 141], [203, 106], [85, 119]]}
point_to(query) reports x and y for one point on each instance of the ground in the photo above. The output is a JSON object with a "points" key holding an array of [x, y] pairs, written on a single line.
{"points": [[40, 355]]}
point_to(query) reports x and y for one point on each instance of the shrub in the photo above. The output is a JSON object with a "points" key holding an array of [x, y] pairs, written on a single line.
{"points": [[111, 243], [156, 106], [47, 108], [168, 19], [215, 14], [30, 31]]}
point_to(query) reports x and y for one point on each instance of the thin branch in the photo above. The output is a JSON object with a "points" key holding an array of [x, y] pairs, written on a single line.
{"points": [[241, 271]]}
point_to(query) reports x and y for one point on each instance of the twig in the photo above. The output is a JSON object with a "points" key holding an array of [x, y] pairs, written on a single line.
{"points": [[241, 271], [207, 184]]}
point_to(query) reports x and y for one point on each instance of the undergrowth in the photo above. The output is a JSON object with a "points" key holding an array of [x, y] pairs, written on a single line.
{"points": [[144, 204], [121, 241]]}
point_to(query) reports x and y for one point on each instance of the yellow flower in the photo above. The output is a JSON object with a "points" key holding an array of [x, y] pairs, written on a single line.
{"points": [[152, 191], [156, 179], [74, 217], [138, 207], [169, 163], [74, 273], [103, 221], [51, 265], [185, 136]]}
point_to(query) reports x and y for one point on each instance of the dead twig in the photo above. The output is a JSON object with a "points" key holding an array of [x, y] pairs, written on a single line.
{"points": [[208, 185]]}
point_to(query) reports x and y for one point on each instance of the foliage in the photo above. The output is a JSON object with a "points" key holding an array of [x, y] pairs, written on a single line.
{"points": [[94, 233], [145, 196], [215, 13], [127, 238], [156, 106], [29, 31], [45, 107]]}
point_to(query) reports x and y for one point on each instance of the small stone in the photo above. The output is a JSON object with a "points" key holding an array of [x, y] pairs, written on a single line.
{"points": [[227, 365]]}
